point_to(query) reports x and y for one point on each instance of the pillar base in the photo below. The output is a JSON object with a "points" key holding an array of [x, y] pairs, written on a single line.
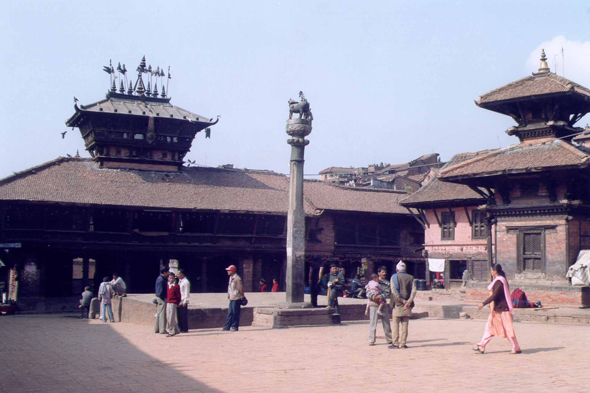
{"points": [[275, 317], [287, 305]]}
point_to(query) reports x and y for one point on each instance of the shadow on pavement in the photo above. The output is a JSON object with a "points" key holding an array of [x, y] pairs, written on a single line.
{"points": [[536, 350], [440, 345], [61, 353]]}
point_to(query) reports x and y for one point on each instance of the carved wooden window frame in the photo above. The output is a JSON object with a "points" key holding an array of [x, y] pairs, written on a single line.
{"points": [[479, 228], [520, 249], [447, 225]]}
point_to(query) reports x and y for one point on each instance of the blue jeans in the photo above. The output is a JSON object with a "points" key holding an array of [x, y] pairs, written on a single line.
{"points": [[110, 311], [233, 315]]}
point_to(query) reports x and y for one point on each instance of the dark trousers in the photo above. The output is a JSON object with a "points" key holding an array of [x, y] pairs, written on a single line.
{"points": [[84, 311], [315, 289], [333, 300], [233, 315], [182, 318]]}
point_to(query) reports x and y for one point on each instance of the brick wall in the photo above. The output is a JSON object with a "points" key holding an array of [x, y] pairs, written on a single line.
{"points": [[555, 245]]}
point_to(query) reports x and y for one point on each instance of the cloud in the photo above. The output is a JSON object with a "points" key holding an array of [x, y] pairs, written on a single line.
{"points": [[575, 64]]}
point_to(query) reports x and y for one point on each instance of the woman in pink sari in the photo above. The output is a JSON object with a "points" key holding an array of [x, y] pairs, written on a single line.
{"points": [[500, 319]]}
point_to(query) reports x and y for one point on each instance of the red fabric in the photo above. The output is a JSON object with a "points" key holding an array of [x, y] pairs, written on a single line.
{"points": [[173, 295], [275, 287], [263, 288]]}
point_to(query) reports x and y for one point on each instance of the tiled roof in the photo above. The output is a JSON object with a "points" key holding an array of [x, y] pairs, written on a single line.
{"points": [[519, 158], [134, 106], [81, 181], [534, 85], [435, 190], [336, 169]]}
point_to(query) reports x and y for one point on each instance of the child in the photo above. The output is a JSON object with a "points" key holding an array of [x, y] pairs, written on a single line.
{"points": [[275, 285], [262, 285], [374, 290], [85, 303]]}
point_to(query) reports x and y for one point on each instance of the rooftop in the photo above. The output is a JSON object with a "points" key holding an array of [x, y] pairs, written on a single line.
{"points": [[80, 181], [554, 154]]}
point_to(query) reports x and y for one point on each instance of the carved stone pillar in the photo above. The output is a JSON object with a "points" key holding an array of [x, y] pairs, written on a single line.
{"points": [[298, 129]]}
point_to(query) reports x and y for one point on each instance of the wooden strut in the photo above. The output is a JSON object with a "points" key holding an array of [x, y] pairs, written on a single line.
{"points": [[436, 216], [468, 218], [417, 217], [423, 215]]}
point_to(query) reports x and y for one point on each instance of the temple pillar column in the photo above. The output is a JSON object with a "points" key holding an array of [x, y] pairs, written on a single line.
{"points": [[247, 273]]}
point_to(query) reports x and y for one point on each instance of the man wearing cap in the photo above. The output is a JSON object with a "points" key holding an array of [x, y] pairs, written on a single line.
{"points": [[403, 291], [335, 287], [235, 294]]}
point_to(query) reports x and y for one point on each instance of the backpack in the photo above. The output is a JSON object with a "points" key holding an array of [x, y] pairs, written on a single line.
{"points": [[519, 299]]}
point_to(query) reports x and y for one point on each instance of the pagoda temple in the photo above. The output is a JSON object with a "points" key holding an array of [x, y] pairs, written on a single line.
{"points": [[537, 193]]}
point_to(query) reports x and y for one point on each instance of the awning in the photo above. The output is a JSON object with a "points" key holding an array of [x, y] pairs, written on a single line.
{"points": [[436, 265]]}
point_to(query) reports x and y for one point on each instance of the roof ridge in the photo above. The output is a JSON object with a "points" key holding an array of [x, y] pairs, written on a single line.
{"points": [[34, 169], [473, 159], [361, 189], [505, 86], [572, 148]]}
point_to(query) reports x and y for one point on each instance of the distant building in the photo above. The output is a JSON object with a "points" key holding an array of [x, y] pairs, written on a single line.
{"points": [[405, 177]]}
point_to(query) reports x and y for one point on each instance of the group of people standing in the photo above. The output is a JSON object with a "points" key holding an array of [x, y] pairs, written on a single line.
{"points": [[400, 290], [107, 290], [172, 299]]}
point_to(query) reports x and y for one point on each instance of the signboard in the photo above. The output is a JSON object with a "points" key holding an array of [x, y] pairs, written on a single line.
{"points": [[10, 245]]}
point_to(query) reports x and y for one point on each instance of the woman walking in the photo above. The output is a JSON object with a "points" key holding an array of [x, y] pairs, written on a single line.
{"points": [[500, 319]]}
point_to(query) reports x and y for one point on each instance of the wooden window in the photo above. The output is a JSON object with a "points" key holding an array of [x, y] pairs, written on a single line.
{"points": [[531, 251], [447, 225], [479, 228]]}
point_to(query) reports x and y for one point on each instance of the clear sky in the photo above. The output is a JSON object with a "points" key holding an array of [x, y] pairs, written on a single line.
{"points": [[387, 81]]}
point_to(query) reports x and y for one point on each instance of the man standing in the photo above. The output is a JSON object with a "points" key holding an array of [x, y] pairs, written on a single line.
{"points": [[403, 291], [185, 291], [335, 287], [235, 294], [314, 280], [374, 306], [105, 294], [173, 298], [118, 285], [161, 292]]}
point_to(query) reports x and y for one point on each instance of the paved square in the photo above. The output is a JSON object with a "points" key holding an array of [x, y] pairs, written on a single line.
{"points": [[58, 353]]}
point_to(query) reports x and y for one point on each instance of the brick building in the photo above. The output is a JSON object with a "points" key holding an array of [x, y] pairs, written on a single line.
{"points": [[455, 228]]}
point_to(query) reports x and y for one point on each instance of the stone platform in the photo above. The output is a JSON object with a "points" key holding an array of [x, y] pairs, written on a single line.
{"points": [[273, 317]]}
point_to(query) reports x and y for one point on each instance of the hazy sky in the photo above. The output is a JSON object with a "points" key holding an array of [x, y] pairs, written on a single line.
{"points": [[387, 81]]}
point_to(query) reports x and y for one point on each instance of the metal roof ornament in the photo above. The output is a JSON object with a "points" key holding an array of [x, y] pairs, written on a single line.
{"points": [[130, 90], [148, 92], [122, 88], [155, 94], [114, 87], [544, 68], [163, 95]]}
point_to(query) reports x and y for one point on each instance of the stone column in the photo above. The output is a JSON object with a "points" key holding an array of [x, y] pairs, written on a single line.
{"points": [[204, 275], [297, 129], [247, 272]]}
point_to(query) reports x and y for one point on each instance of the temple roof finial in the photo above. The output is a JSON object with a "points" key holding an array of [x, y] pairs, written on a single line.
{"points": [[163, 92], [155, 90], [130, 90], [77, 154], [122, 88], [114, 87], [544, 68], [148, 92]]}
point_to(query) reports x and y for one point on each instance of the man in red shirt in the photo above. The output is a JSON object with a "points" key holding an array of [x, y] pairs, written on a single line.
{"points": [[275, 285], [172, 301]]}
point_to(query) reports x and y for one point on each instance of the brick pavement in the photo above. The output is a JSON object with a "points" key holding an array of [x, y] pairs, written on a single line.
{"points": [[58, 353]]}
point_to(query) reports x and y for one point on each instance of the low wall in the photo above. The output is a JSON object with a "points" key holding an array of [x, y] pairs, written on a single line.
{"points": [[557, 294]]}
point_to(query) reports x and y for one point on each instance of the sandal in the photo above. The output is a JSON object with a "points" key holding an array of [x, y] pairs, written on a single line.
{"points": [[515, 352], [479, 349]]}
